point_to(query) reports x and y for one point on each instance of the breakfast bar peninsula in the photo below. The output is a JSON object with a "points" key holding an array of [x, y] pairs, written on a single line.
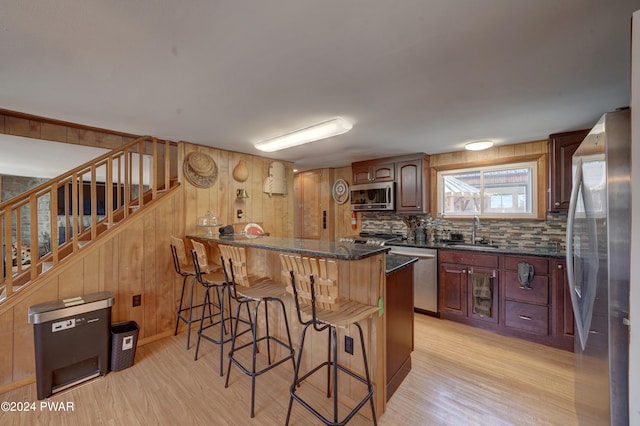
{"points": [[366, 275]]}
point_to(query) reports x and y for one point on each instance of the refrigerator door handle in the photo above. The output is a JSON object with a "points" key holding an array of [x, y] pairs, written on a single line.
{"points": [[571, 279]]}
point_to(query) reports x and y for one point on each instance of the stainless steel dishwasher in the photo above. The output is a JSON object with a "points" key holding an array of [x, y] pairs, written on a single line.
{"points": [[425, 277]]}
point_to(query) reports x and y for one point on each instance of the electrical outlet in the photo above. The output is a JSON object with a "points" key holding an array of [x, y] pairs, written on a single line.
{"points": [[137, 300], [348, 344]]}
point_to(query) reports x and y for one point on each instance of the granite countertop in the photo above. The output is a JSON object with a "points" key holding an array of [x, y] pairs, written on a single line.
{"points": [[326, 249], [528, 251], [395, 262]]}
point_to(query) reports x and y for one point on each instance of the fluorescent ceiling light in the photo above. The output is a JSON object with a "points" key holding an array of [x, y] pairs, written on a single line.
{"points": [[335, 126], [478, 145]]}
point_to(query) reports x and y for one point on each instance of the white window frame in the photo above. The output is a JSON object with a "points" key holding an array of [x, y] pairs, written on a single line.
{"points": [[533, 165]]}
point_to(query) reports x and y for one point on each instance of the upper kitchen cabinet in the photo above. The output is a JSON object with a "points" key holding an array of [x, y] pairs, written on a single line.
{"points": [[412, 178], [409, 172], [373, 171], [561, 148]]}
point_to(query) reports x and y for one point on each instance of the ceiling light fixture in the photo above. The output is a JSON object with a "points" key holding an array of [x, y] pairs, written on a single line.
{"points": [[479, 145], [335, 126]]}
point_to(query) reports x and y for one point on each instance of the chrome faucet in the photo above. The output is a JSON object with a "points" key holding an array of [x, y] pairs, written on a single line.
{"points": [[476, 225]]}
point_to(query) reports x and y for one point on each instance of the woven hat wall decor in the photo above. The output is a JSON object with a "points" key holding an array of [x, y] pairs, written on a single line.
{"points": [[200, 169]]}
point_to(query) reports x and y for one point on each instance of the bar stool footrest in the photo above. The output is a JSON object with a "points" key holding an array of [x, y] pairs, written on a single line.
{"points": [[271, 364], [313, 411], [230, 332]]}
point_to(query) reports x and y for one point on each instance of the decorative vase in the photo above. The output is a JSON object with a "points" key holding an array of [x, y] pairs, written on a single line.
{"points": [[241, 172]]}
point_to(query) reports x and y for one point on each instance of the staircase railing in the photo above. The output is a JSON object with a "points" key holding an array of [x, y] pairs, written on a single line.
{"points": [[41, 227]]}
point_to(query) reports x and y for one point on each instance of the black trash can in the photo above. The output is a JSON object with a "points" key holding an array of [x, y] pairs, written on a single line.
{"points": [[71, 340], [124, 339]]}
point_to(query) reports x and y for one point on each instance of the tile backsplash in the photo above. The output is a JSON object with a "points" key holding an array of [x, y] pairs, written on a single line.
{"points": [[549, 233]]}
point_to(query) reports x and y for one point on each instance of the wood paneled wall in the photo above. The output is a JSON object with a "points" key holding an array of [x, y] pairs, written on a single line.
{"points": [[338, 215], [342, 212], [132, 259], [273, 212], [537, 150], [135, 258], [501, 153]]}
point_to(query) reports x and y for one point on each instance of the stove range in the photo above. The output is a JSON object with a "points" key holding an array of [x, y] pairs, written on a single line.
{"points": [[371, 238]]}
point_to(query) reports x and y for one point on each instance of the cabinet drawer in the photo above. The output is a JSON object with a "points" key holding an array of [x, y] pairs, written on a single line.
{"points": [[538, 293], [468, 258], [540, 265], [531, 318]]}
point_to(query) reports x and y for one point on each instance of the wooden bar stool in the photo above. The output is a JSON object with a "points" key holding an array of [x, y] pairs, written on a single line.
{"points": [[314, 283], [212, 278], [246, 290], [184, 267]]}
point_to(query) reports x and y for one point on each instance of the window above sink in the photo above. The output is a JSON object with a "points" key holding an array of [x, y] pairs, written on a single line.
{"points": [[496, 191]]}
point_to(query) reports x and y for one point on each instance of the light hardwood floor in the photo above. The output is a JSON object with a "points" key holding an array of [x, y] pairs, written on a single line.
{"points": [[460, 376]]}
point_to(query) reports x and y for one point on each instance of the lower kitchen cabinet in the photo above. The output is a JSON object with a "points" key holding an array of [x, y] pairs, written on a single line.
{"points": [[529, 296], [452, 280], [564, 312], [399, 322], [468, 286], [527, 317]]}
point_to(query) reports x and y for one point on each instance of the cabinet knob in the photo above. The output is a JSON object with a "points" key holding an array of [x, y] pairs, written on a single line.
{"points": [[559, 266], [557, 203]]}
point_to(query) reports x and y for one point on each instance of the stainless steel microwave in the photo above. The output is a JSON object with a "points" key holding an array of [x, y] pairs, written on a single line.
{"points": [[373, 196]]}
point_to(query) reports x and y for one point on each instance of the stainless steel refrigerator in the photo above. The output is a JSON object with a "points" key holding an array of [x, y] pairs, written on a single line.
{"points": [[598, 246]]}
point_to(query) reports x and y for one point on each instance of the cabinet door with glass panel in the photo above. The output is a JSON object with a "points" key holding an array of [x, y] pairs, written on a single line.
{"points": [[482, 294], [468, 286]]}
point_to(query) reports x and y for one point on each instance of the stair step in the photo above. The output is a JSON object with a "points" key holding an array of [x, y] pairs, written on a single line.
{"points": [[46, 266], [83, 243]]}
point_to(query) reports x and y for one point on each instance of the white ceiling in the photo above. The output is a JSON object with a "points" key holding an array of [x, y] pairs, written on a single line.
{"points": [[413, 75], [42, 159]]}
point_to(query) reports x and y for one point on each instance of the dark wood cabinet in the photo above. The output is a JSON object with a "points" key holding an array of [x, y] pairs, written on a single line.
{"points": [[412, 189], [561, 148], [458, 296], [399, 322], [452, 280], [540, 311], [564, 313], [475, 301], [373, 171], [411, 174], [527, 305]]}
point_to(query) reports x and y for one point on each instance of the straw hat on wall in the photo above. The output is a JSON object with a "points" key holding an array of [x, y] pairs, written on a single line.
{"points": [[200, 169]]}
